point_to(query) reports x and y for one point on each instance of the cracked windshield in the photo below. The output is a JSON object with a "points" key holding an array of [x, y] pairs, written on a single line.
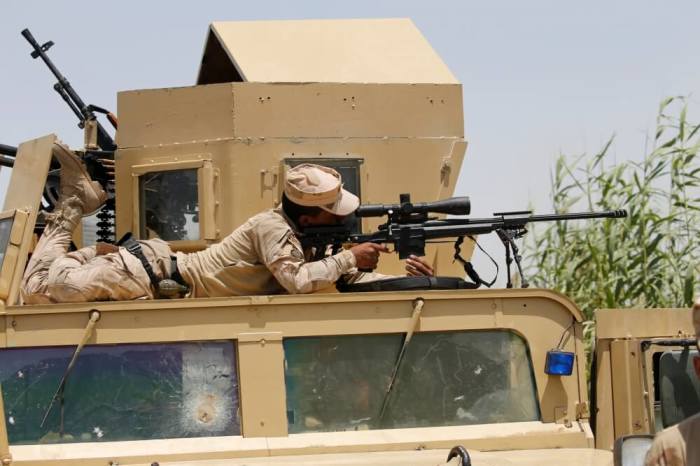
{"points": [[121, 392], [443, 379]]}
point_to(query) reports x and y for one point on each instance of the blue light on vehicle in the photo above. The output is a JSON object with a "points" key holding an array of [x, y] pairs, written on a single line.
{"points": [[559, 362]]}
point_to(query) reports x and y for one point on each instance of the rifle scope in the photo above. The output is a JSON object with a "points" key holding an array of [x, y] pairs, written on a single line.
{"points": [[452, 206]]}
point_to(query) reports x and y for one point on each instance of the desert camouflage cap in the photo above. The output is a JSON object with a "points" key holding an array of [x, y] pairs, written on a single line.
{"points": [[318, 186]]}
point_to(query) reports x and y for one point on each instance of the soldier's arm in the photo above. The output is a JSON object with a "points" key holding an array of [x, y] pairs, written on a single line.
{"points": [[415, 266], [666, 450], [298, 276]]}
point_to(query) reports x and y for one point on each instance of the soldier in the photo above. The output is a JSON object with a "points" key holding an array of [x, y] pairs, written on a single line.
{"points": [[679, 445], [262, 256]]}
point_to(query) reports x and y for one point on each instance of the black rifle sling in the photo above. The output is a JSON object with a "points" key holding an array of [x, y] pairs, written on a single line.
{"points": [[468, 267], [134, 247]]}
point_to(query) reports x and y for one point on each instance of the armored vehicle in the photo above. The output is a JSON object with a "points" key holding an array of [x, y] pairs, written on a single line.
{"points": [[642, 378], [423, 377]]}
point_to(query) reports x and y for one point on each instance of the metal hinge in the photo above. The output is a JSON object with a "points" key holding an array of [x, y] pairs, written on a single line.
{"points": [[561, 416], [582, 410]]}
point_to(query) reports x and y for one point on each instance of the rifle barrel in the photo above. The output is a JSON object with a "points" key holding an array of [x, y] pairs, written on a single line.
{"points": [[620, 213]]}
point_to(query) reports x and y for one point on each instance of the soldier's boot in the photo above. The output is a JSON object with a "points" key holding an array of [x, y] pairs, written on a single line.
{"points": [[53, 243], [76, 183], [78, 196]]}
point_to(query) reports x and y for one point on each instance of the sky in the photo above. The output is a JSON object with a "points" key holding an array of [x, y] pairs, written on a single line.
{"points": [[540, 78]]}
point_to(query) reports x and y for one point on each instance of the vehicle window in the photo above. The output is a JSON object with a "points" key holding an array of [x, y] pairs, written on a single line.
{"points": [[349, 170], [679, 387], [121, 392], [169, 205], [449, 378], [5, 229]]}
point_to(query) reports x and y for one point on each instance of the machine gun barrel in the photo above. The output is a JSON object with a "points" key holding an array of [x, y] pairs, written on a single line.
{"points": [[7, 155], [65, 90]]}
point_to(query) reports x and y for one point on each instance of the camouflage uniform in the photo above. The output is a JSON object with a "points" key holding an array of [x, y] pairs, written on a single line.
{"points": [[263, 256], [52, 274], [679, 445], [55, 275]]}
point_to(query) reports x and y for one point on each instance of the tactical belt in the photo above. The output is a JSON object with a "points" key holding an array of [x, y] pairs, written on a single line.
{"points": [[175, 273], [134, 247], [173, 287]]}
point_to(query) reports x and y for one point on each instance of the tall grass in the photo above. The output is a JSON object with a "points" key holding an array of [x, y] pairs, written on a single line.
{"points": [[649, 259]]}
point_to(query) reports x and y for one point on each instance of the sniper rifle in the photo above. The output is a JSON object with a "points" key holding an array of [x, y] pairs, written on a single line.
{"points": [[409, 227]]}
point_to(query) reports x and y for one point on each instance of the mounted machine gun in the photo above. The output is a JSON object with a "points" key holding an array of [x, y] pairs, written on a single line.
{"points": [[99, 144]]}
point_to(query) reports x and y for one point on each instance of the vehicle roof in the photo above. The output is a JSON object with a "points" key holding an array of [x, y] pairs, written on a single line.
{"points": [[345, 50]]}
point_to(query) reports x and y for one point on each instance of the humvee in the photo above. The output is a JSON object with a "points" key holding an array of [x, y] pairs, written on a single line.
{"points": [[642, 377], [423, 377]]}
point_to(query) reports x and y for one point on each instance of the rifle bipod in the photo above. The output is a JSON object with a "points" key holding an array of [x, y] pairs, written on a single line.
{"points": [[508, 238]]}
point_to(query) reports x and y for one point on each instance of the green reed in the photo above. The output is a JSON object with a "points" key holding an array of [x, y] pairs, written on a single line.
{"points": [[649, 259]]}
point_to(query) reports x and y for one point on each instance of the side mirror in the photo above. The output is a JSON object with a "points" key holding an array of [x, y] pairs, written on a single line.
{"points": [[631, 450]]}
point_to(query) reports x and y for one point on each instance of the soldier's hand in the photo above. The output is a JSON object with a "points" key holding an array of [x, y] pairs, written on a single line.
{"points": [[417, 266], [367, 255]]}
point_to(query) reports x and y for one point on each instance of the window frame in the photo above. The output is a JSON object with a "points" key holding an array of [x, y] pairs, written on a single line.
{"points": [[208, 188], [651, 381], [125, 347], [12, 267], [351, 161], [502, 332]]}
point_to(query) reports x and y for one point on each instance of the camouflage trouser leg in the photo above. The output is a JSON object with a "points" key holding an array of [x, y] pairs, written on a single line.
{"points": [[82, 275], [53, 243], [54, 275]]}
